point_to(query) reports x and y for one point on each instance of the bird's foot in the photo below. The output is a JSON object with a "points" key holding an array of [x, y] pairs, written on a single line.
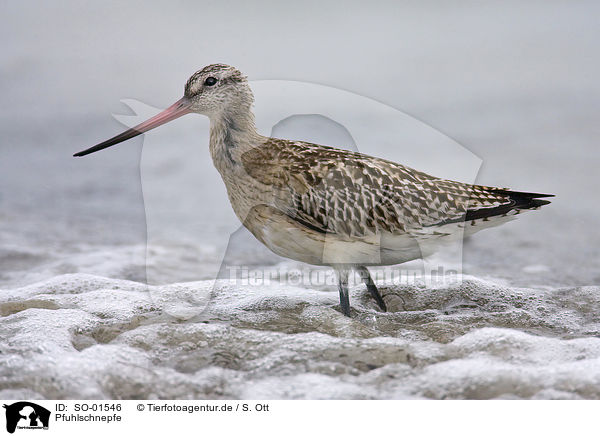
{"points": [[366, 277]]}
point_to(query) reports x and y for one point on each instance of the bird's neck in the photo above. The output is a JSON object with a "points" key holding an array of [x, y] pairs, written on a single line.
{"points": [[231, 134]]}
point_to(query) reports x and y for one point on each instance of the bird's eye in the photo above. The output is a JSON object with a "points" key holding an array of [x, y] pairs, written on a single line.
{"points": [[210, 81]]}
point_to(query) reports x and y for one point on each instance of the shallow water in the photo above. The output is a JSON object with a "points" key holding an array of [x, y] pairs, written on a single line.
{"points": [[516, 84]]}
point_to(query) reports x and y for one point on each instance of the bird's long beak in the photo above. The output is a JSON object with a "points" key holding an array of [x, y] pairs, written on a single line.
{"points": [[179, 108]]}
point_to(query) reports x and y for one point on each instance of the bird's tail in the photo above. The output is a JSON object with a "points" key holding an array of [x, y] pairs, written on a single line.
{"points": [[515, 201]]}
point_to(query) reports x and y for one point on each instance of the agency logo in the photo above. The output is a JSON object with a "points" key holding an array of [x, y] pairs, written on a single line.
{"points": [[219, 247], [26, 415]]}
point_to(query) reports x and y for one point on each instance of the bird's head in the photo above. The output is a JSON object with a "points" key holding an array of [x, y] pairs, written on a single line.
{"points": [[216, 90]]}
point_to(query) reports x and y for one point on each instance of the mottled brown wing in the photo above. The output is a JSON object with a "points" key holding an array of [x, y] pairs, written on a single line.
{"points": [[355, 195]]}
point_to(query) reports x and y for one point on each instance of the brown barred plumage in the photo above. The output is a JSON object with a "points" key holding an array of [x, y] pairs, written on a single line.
{"points": [[354, 195]]}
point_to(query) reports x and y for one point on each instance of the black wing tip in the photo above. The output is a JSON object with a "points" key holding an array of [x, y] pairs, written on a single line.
{"points": [[518, 201], [525, 194], [528, 200], [537, 203]]}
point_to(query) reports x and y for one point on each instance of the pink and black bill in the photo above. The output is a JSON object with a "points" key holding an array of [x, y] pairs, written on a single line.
{"points": [[176, 110]]}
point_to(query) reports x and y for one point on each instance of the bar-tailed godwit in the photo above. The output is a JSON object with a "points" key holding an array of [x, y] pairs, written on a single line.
{"points": [[326, 206]]}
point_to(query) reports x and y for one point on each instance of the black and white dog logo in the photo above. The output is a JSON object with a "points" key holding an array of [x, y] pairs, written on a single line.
{"points": [[26, 415]]}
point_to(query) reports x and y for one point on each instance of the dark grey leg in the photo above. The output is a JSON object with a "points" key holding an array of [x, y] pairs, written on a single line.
{"points": [[343, 287], [366, 277]]}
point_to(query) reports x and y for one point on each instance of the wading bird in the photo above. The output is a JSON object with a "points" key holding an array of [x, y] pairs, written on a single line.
{"points": [[326, 206]]}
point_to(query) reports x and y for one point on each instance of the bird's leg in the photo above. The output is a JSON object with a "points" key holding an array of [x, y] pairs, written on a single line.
{"points": [[366, 277], [343, 287]]}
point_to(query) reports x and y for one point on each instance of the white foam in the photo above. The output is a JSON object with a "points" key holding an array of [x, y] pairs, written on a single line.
{"points": [[84, 336]]}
